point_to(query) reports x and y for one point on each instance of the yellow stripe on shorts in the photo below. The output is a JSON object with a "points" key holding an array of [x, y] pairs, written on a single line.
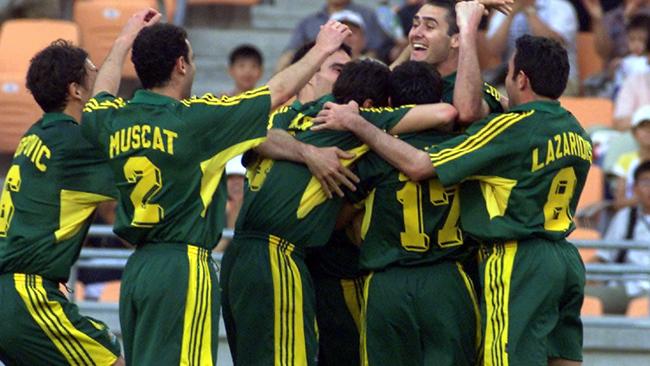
{"points": [[196, 347], [75, 346], [289, 330], [498, 273], [353, 296], [364, 324], [469, 285]]}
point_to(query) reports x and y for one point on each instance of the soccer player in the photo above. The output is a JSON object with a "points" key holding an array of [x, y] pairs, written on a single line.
{"points": [[53, 186], [284, 213], [167, 152], [522, 175], [420, 306]]}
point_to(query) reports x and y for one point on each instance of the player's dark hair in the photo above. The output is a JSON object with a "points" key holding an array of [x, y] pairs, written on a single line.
{"points": [[415, 82], [450, 5], [246, 51], [546, 64], [642, 168], [52, 70], [639, 21], [361, 80], [302, 51], [155, 51]]}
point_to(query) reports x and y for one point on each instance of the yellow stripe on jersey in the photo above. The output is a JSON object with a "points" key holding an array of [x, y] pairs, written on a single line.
{"points": [[482, 137], [477, 314], [498, 273], [274, 114], [76, 208], [353, 296], [94, 105], [496, 193], [75, 346], [364, 323], [369, 203], [211, 99], [314, 195], [213, 168], [288, 322], [385, 109], [196, 346]]}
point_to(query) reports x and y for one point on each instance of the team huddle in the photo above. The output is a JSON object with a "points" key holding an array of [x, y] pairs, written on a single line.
{"points": [[409, 215]]}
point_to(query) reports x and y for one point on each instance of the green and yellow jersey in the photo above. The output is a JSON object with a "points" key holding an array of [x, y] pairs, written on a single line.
{"points": [[168, 158], [50, 192], [490, 94], [283, 198], [522, 172], [405, 222]]}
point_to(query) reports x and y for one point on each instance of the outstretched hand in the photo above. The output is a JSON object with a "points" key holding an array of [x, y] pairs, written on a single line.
{"points": [[336, 116], [502, 6], [469, 14], [331, 36], [325, 165]]}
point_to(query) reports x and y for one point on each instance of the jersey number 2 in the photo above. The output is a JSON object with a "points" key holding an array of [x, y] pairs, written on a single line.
{"points": [[140, 171], [12, 184], [414, 238]]}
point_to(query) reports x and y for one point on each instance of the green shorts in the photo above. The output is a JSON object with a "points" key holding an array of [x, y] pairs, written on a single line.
{"points": [[169, 306], [338, 313], [532, 296], [420, 315], [41, 327], [268, 302]]}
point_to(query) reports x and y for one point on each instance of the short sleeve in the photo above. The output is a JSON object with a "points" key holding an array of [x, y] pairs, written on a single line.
{"points": [[227, 121], [492, 97], [384, 118], [281, 118], [484, 143], [97, 110], [370, 169]]}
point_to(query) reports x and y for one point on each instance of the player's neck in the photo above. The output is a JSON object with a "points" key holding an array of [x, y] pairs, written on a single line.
{"points": [[73, 110], [168, 91]]}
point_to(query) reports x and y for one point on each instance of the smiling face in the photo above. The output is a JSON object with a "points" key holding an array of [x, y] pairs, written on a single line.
{"points": [[428, 37]]}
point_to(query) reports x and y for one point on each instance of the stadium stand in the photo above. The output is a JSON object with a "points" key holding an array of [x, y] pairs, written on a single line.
{"points": [[590, 111], [589, 63], [18, 110]]}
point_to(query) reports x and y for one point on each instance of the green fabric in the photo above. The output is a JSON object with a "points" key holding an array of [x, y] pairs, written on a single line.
{"points": [[249, 296], [523, 172], [23, 341], [546, 291], [153, 300], [490, 94], [386, 241], [181, 136], [52, 157], [338, 335], [338, 258], [272, 202], [421, 315]]}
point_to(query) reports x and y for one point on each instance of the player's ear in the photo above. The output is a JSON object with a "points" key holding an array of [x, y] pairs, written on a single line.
{"points": [[522, 80], [181, 65], [74, 91], [455, 41]]}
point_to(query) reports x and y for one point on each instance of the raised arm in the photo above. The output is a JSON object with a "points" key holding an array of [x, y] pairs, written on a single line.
{"points": [[110, 74], [323, 163], [468, 91], [414, 163], [289, 81]]}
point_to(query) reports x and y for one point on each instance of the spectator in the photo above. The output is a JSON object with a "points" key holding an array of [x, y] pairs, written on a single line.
{"points": [[627, 163], [609, 28], [636, 62], [308, 27], [236, 175], [631, 223], [245, 67], [634, 93], [555, 19]]}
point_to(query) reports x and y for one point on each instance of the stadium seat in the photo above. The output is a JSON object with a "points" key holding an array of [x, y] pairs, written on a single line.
{"points": [[590, 111], [101, 21], [593, 191], [589, 62], [20, 39], [18, 110], [591, 306], [111, 292], [639, 307]]}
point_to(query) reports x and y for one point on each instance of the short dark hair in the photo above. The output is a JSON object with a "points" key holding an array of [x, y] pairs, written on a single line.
{"points": [[642, 168], [415, 82], [52, 70], [155, 51], [639, 21], [450, 5], [545, 62], [302, 51], [361, 80], [246, 51]]}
